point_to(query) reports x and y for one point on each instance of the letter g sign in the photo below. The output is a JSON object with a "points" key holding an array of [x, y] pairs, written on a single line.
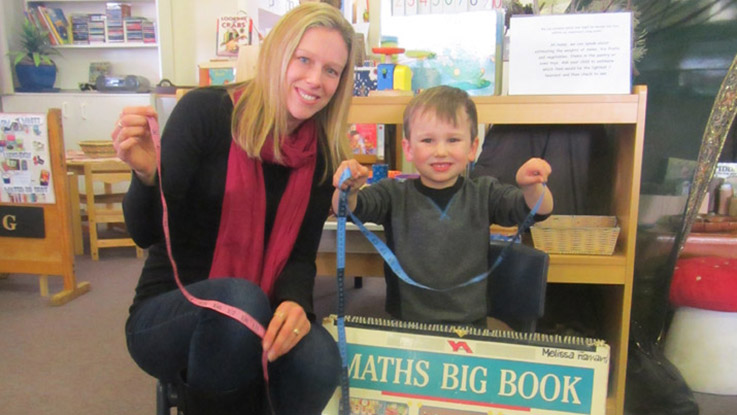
{"points": [[9, 222]]}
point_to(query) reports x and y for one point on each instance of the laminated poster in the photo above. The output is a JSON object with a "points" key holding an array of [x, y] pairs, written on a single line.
{"points": [[24, 159]]}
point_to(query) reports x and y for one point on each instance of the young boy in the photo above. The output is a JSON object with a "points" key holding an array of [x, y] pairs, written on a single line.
{"points": [[438, 225]]}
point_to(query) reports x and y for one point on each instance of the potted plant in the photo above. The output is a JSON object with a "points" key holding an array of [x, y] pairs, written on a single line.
{"points": [[33, 66]]}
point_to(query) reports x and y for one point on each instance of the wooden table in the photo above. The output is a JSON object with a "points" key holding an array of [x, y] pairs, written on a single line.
{"points": [[76, 162]]}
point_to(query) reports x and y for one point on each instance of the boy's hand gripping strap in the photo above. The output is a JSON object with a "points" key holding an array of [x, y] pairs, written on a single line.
{"points": [[222, 308]]}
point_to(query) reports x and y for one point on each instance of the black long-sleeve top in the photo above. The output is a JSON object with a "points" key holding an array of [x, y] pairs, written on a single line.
{"points": [[195, 147]]}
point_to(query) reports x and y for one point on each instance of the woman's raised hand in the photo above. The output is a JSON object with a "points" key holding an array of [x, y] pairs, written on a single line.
{"points": [[133, 143]]}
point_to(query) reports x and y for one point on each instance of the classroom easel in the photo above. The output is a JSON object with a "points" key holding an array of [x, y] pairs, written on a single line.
{"points": [[52, 255]]}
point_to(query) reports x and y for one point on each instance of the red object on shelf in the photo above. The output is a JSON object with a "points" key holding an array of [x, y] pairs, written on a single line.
{"points": [[387, 52]]}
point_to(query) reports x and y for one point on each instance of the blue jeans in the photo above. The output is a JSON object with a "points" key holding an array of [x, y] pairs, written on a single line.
{"points": [[167, 335]]}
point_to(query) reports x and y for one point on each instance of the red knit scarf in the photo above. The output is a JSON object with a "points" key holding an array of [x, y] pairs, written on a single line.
{"points": [[240, 250]]}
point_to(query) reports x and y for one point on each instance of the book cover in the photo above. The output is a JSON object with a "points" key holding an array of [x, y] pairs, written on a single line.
{"points": [[402, 367], [42, 23], [99, 68], [363, 139], [231, 33], [59, 23]]}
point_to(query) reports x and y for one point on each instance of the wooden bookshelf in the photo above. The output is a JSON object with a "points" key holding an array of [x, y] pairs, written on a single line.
{"points": [[624, 117]]}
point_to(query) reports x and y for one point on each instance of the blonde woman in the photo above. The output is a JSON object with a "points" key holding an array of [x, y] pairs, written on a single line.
{"points": [[246, 175]]}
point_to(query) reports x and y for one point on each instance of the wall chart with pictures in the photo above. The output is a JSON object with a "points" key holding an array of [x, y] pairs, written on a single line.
{"points": [[24, 159]]}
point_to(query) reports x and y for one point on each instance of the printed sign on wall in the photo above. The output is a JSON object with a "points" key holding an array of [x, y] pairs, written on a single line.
{"points": [[571, 54]]}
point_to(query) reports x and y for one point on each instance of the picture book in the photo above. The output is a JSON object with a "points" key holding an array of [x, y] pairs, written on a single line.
{"points": [[364, 138], [59, 23], [232, 32]]}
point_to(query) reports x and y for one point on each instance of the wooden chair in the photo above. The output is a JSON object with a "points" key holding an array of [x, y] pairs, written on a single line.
{"points": [[106, 207]]}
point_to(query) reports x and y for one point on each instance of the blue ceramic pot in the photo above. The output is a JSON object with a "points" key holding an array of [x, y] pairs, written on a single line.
{"points": [[36, 78]]}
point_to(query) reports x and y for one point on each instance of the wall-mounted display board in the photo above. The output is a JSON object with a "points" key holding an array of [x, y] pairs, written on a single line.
{"points": [[35, 224]]}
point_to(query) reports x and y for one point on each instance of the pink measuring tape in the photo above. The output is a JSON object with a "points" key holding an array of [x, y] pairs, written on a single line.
{"points": [[222, 308]]}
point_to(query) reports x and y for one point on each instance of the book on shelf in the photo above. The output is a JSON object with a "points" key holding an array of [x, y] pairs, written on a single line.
{"points": [[115, 25], [96, 28], [51, 20], [134, 29], [37, 17], [233, 32], [58, 23], [149, 31], [115, 15], [367, 139], [80, 29]]}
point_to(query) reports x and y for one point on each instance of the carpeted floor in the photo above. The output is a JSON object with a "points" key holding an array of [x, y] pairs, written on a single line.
{"points": [[72, 360]]}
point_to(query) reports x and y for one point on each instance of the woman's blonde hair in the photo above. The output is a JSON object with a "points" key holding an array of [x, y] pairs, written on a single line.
{"points": [[262, 108]]}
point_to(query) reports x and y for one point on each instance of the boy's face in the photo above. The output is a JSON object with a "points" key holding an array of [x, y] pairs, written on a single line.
{"points": [[439, 150]]}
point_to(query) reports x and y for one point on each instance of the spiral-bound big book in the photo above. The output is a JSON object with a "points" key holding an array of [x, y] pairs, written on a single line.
{"points": [[405, 368]]}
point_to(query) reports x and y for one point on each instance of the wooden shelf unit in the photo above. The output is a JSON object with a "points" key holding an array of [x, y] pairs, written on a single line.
{"points": [[624, 116]]}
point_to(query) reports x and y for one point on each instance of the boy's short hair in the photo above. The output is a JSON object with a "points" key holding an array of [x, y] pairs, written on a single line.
{"points": [[445, 101]]}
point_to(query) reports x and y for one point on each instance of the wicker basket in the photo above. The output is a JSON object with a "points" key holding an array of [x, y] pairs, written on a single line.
{"points": [[584, 235], [97, 148]]}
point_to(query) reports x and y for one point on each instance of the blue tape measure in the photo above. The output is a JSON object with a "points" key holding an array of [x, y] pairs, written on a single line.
{"points": [[344, 406]]}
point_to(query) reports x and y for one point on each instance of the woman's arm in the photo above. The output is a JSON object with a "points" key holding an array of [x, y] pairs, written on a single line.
{"points": [[190, 148]]}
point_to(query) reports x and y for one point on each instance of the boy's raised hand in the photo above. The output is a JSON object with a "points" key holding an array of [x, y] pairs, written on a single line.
{"points": [[535, 170], [359, 175]]}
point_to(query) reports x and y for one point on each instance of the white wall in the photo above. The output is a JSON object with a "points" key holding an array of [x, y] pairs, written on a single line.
{"points": [[192, 36], [9, 24]]}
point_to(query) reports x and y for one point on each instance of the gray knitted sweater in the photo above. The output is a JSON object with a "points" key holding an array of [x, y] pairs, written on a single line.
{"points": [[440, 246]]}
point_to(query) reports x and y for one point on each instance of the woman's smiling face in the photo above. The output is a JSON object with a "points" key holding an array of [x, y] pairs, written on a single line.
{"points": [[313, 73]]}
